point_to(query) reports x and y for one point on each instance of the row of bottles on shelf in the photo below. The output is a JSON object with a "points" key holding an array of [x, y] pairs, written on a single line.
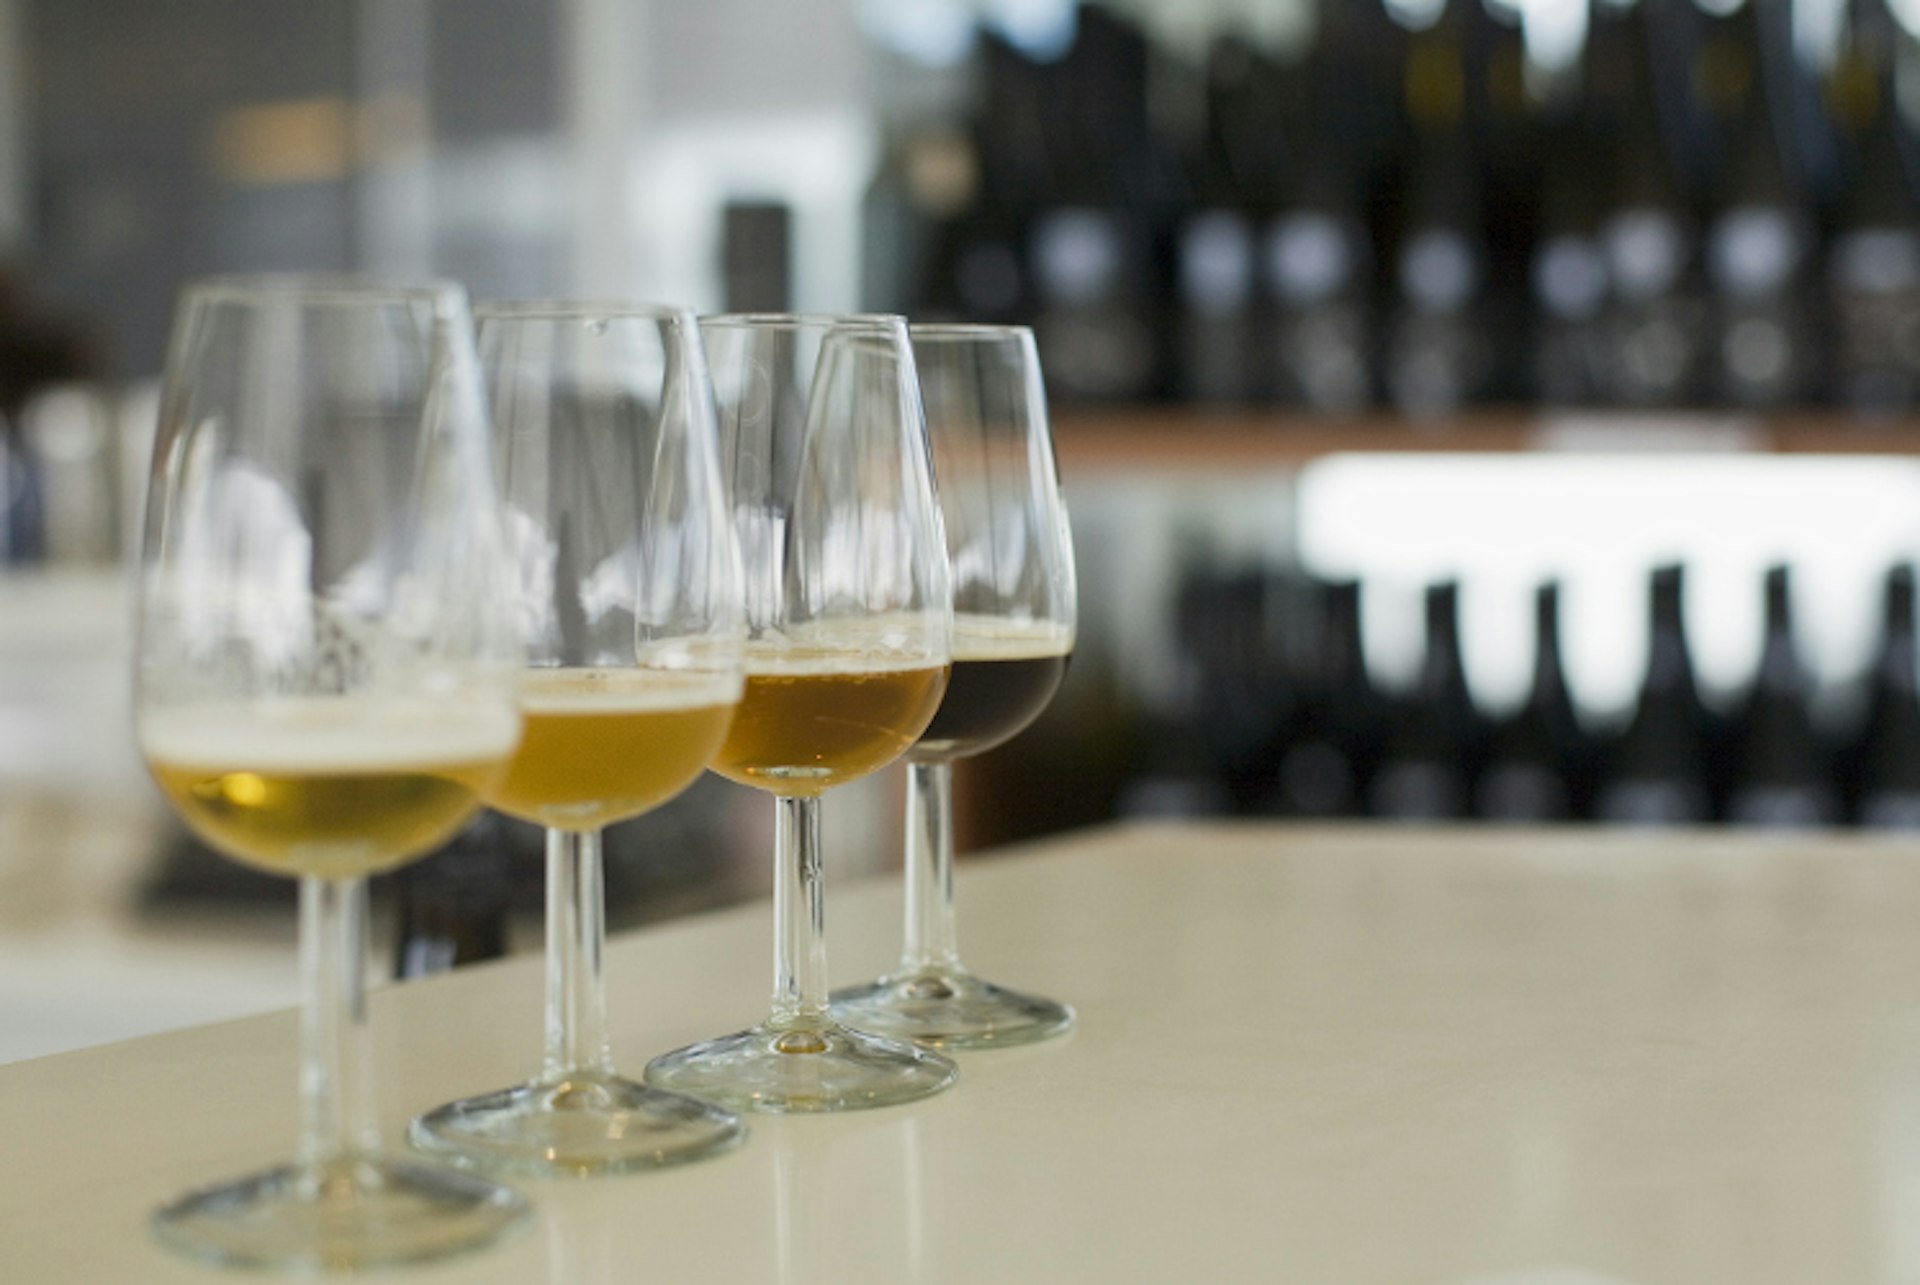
{"points": [[1257, 735], [1409, 205]]}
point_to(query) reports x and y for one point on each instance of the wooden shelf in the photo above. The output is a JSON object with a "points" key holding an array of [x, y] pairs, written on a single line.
{"points": [[1173, 438]]}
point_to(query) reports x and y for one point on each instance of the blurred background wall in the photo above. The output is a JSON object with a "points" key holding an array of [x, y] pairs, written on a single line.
{"points": [[1470, 409]]}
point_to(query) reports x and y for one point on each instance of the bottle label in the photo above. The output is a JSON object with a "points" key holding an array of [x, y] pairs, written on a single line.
{"points": [[1077, 256], [1876, 261], [1646, 251], [1654, 803], [1311, 257], [1417, 791], [1216, 263], [1439, 271], [1570, 277], [1524, 792], [1754, 250]]}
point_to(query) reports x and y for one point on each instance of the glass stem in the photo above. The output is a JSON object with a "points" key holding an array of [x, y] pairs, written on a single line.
{"points": [[336, 1085], [576, 948], [930, 933], [799, 915]]}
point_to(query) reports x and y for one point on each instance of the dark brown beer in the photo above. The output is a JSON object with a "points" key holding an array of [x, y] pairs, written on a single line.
{"points": [[988, 702], [1003, 676]]}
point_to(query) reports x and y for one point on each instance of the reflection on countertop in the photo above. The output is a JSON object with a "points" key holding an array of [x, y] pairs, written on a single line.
{"points": [[80, 962], [114, 924]]}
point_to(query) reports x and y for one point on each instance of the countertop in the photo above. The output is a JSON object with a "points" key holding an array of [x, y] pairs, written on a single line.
{"points": [[1433, 1056]]}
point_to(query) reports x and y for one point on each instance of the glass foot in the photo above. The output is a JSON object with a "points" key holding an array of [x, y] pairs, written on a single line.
{"points": [[584, 1124], [950, 1009], [818, 1067], [361, 1212]]}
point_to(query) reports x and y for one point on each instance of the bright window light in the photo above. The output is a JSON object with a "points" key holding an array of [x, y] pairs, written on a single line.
{"points": [[1599, 523], [1555, 32]]}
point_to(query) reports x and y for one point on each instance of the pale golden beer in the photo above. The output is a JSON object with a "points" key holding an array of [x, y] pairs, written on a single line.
{"points": [[811, 722], [603, 745], [334, 788]]}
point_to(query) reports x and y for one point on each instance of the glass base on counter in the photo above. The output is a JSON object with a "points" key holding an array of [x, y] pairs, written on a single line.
{"points": [[950, 1008], [583, 1124], [346, 1215], [803, 1067]]}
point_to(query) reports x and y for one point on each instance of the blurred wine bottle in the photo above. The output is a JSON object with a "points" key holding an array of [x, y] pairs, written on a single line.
{"points": [[1565, 265], [946, 215], [453, 904], [1327, 762], [1243, 702], [1537, 767], [1172, 774], [1783, 773], [1507, 124], [1439, 355], [1238, 164], [1660, 771], [756, 252], [1885, 763], [1317, 248], [1651, 340], [1760, 239], [1568, 276], [1181, 763], [1094, 255], [1873, 258], [1434, 750]]}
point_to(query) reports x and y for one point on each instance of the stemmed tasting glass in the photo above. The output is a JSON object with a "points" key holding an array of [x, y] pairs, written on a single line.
{"points": [[849, 616], [627, 597], [324, 689], [1013, 629]]}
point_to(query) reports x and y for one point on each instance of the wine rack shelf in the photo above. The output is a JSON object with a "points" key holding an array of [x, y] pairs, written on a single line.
{"points": [[1187, 439]]}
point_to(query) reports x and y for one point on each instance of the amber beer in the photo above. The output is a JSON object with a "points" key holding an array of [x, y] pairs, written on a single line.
{"points": [[603, 745], [335, 788], [814, 720], [1004, 674]]}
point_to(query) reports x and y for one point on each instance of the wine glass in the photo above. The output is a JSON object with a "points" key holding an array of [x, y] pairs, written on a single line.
{"points": [[848, 619], [324, 689], [629, 610], [1013, 629]]}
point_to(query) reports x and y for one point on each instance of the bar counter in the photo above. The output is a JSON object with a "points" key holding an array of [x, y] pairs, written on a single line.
{"points": [[1418, 1056]]}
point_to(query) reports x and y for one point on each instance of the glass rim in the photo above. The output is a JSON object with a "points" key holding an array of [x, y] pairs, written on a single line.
{"points": [[582, 309], [957, 331], [802, 320], [320, 287]]}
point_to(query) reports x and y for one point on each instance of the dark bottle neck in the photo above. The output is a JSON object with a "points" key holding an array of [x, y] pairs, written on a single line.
{"points": [[1549, 685], [1443, 676], [1669, 659], [1895, 664], [1343, 653], [1623, 97], [1879, 193], [1780, 668]]}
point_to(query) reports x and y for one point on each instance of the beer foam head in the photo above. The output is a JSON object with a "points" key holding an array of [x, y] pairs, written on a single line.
{"points": [[799, 659], [316, 734], [624, 691], [996, 638], [886, 642]]}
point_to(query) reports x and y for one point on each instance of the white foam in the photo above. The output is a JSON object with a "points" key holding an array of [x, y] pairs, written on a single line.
{"points": [[327, 735], [994, 638], [890, 642], [799, 661], [624, 691]]}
